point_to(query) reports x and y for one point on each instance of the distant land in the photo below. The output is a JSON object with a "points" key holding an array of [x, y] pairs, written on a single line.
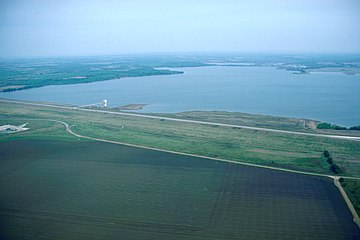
{"points": [[18, 74]]}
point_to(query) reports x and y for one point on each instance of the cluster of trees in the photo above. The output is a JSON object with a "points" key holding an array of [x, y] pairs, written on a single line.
{"points": [[355, 128], [335, 127], [333, 166]]}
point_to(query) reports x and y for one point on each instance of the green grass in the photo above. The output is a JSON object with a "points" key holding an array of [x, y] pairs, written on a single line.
{"points": [[247, 119], [272, 149], [257, 120], [352, 189]]}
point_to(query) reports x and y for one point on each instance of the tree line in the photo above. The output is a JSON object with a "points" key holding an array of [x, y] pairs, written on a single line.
{"points": [[333, 166], [335, 127]]}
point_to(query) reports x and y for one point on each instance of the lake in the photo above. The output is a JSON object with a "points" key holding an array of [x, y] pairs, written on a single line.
{"points": [[330, 97]]}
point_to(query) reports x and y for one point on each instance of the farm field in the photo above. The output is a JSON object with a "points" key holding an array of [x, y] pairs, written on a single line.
{"points": [[70, 189]]}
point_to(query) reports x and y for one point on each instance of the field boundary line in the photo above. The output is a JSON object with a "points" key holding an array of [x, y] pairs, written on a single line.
{"points": [[347, 200], [343, 137]]}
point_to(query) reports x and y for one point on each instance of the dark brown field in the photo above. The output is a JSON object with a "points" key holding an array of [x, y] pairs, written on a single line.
{"points": [[92, 190]]}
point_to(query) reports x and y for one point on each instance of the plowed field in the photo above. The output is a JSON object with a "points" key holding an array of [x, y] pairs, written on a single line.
{"points": [[93, 190]]}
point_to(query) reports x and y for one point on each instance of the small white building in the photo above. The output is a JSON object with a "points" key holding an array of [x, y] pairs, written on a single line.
{"points": [[13, 128]]}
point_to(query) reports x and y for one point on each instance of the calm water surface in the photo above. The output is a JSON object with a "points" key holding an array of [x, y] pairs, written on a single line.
{"points": [[331, 97]]}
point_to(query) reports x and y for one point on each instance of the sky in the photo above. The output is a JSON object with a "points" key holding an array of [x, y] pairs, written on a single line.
{"points": [[109, 27]]}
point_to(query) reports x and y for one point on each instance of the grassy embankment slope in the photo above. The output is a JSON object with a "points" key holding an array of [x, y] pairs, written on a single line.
{"points": [[262, 121], [352, 189]]}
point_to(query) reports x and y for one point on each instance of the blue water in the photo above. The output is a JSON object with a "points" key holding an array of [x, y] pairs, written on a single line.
{"points": [[330, 97]]}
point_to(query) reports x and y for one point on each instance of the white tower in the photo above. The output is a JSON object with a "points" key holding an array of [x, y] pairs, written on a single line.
{"points": [[105, 103]]}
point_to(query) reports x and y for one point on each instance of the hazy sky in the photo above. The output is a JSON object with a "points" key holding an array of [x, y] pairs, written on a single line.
{"points": [[87, 27]]}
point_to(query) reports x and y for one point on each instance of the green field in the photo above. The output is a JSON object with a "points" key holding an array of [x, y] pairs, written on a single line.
{"points": [[288, 151]]}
